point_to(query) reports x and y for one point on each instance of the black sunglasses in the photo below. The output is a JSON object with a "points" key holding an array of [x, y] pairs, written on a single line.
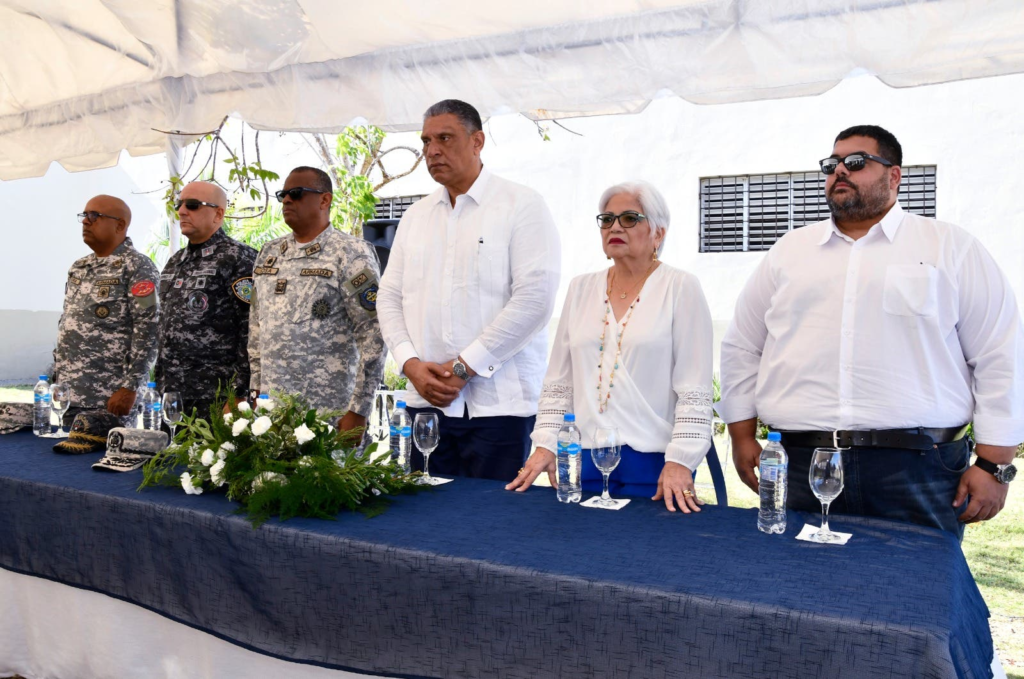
{"points": [[92, 216], [192, 204], [853, 162], [296, 193], [627, 219]]}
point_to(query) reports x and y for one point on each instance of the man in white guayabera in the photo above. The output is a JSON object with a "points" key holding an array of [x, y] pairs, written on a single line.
{"points": [[883, 333], [468, 291]]}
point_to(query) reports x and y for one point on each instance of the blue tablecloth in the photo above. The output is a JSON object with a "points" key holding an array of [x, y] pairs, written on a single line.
{"points": [[471, 580]]}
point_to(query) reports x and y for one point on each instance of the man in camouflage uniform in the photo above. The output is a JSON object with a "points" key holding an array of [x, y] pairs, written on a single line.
{"points": [[204, 305], [313, 328], [106, 339]]}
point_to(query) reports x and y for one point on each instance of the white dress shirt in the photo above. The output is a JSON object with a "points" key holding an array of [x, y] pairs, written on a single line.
{"points": [[912, 325], [661, 401], [476, 280]]}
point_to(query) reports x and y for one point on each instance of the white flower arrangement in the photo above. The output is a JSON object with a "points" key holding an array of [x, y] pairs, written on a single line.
{"points": [[217, 473], [261, 426], [268, 477], [304, 434], [244, 407], [239, 426], [187, 485], [228, 417], [207, 458]]}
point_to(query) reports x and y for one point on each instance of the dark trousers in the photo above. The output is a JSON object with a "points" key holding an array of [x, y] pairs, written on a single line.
{"points": [[482, 447], [892, 483]]}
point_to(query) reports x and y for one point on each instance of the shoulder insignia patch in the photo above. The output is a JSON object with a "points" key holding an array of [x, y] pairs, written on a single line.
{"points": [[360, 281], [74, 281], [243, 289], [368, 298], [142, 288], [324, 273]]}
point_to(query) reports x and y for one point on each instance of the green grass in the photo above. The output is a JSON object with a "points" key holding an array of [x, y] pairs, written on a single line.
{"points": [[994, 551]]}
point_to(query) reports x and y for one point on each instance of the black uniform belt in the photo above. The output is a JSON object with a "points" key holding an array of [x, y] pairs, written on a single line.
{"points": [[921, 438]]}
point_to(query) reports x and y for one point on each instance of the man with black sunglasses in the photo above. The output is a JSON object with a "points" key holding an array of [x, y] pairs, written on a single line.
{"points": [[205, 289], [313, 326], [106, 338], [884, 334]]}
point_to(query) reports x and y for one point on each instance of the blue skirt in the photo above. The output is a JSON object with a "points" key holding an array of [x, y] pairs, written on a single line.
{"points": [[636, 476]]}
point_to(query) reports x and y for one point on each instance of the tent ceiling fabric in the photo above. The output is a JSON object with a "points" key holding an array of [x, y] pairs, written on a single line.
{"points": [[80, 80]]}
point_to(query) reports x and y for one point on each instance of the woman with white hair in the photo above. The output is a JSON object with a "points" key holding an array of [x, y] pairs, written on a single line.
{"points": [[633, 351]]}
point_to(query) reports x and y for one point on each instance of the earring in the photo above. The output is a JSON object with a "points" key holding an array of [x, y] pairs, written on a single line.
{"points": [[654, 255]]}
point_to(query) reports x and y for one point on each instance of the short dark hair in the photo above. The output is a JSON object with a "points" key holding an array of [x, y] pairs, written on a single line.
{"points": [[888, 147], [467, 115], [322, 181]]}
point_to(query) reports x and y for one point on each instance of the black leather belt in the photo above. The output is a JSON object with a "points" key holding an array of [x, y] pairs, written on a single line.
{"points": [[921, 438]]}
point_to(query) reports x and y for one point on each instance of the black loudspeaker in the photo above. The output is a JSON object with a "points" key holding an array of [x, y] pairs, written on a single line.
{"points": [[381, 233]]}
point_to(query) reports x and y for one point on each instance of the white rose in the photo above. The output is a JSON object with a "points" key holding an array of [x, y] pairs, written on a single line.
{"points": [[303, 434], [261, 425], [228, 446], [228, 417], [243, 407], [267, 477], [305, 461], [217, 473], [239, 426], [207, 458], [222, 454], [186, 485], [264, 404]]}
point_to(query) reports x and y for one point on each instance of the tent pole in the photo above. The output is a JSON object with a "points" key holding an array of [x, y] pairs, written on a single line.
{"points": [[174, 163]]}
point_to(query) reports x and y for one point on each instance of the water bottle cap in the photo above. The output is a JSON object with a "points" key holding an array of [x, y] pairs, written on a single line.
{"points": [[569, 417], [400, 404], [43, 377], [774, 436], [151, 385]]}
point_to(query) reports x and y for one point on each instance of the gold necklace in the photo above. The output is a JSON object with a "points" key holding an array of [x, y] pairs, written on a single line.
{"points": [[623, 295], [602, 401]]}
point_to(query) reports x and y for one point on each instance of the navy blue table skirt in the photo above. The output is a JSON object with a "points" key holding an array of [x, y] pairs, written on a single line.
{"points": [[472, 580]]}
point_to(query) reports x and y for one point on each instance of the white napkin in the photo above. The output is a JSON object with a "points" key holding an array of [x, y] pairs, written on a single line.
{"points": [[434, 481], [810, 530], [592, 502]]}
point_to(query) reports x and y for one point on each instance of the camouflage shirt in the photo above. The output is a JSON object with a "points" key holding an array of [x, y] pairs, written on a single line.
{"points": [[313, 328], [106, 339], [204, 319]]}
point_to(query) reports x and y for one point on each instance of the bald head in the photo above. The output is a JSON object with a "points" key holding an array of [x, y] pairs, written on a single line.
{"points": [[209, 201], [109, 226]]}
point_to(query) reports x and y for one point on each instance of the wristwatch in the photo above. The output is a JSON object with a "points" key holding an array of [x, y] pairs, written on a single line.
{"points": [[1004, 473], [459, 368]]}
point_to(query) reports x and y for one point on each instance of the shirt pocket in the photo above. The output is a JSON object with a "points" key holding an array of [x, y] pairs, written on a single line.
{"points": [[494, 274], [911, 290], [317, 301]]}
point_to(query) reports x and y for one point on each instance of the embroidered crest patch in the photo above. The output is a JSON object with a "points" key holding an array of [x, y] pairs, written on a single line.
{"points": [[368, 298], [321, 308], [197, 302], [243, 289], [282, 283], [180, 282], [103, 291], [207, 251], [312, 249], [142, 288], [102, 311]]}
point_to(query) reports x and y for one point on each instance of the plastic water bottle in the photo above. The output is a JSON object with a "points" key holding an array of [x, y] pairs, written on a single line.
{"points": [[569, 461], [41, 407], [151, 407], [774, 479], [401, 437]]}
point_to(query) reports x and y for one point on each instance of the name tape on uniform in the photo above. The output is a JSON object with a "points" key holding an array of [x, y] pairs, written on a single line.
{"points": [[109, 281], [264, 271], [324, 273]]}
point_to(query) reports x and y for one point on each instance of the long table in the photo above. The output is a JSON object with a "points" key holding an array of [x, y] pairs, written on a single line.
{"points": [[469, 580]]}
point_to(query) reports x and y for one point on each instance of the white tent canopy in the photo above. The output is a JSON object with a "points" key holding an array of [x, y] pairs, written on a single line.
{"points": [[80, 80]]}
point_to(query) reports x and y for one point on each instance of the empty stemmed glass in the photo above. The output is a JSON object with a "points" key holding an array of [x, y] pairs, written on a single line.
{"points": [[172, 411], [426, 435], [60, 400], [826, 479], [606, 454]]}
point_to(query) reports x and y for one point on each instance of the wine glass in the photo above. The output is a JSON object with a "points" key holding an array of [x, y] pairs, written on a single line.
{"points": [[426, 435], [60, 399], [826, 479], [606, 454], [172, 410]]}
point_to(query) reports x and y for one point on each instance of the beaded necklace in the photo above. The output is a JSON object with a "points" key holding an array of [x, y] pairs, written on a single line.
{"points": [[602, 401]]}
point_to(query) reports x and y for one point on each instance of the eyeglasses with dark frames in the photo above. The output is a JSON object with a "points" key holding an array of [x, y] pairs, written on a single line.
{"points": [[853, 162], [92, 216], [627, 219], [193, 204], [295, 193]]}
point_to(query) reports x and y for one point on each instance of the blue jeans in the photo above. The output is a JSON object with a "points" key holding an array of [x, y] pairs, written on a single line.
{"points": [[892, 483]]}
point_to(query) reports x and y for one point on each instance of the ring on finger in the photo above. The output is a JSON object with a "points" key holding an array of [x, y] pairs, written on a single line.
{"points": [[687, 492]]}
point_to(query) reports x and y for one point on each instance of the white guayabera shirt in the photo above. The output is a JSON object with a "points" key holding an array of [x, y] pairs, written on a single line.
{"points": [[477, 280], [661, 401], [912, 325]]}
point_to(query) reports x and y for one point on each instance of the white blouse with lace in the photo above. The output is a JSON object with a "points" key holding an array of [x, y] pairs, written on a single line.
{"points": [[661, 398]]}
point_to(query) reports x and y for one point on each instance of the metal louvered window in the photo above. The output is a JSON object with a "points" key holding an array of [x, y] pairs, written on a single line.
{"points": [[750, 212], [394, 208]]}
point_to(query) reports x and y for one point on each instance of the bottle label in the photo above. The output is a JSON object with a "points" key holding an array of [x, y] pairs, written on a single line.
{"points": [[406, 431], [569, 448], [395, 430], [770, 472], [42, 398], [156, 407], [401, 431]]}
